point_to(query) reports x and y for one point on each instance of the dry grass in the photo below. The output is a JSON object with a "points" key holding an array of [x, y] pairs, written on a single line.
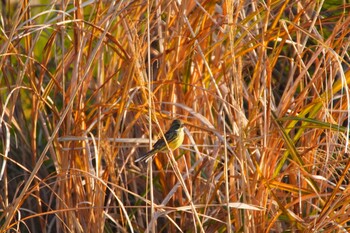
{"points": [[261, 86]]}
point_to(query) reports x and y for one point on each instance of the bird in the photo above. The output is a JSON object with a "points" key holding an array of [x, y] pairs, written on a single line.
{"points": [[174, 137]]}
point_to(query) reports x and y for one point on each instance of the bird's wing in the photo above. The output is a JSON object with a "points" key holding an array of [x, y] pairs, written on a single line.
{"points": [[160, 142]]}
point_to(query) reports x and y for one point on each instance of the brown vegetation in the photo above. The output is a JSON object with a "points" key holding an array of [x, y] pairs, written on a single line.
{"points": [[261, 86]]}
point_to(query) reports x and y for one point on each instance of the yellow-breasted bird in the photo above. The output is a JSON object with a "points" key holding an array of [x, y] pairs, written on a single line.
{"points": [[174, 137]]}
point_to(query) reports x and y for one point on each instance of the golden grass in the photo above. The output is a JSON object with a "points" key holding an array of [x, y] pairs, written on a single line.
{"points": [[261, 86]]}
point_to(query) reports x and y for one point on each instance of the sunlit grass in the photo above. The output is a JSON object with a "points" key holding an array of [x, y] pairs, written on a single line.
{"points": [[261, 87]]}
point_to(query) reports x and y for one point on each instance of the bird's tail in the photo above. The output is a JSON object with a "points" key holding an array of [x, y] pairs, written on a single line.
{"points": [[146, 156]]}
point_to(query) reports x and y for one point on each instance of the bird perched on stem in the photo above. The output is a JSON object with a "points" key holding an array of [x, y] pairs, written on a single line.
{"points": [[174, 137]]}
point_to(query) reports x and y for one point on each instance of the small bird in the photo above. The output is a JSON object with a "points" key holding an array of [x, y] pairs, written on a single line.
{"points": [[174, 137]]}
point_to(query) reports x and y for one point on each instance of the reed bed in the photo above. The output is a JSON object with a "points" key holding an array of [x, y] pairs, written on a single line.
{"points": [[87, 86]]}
